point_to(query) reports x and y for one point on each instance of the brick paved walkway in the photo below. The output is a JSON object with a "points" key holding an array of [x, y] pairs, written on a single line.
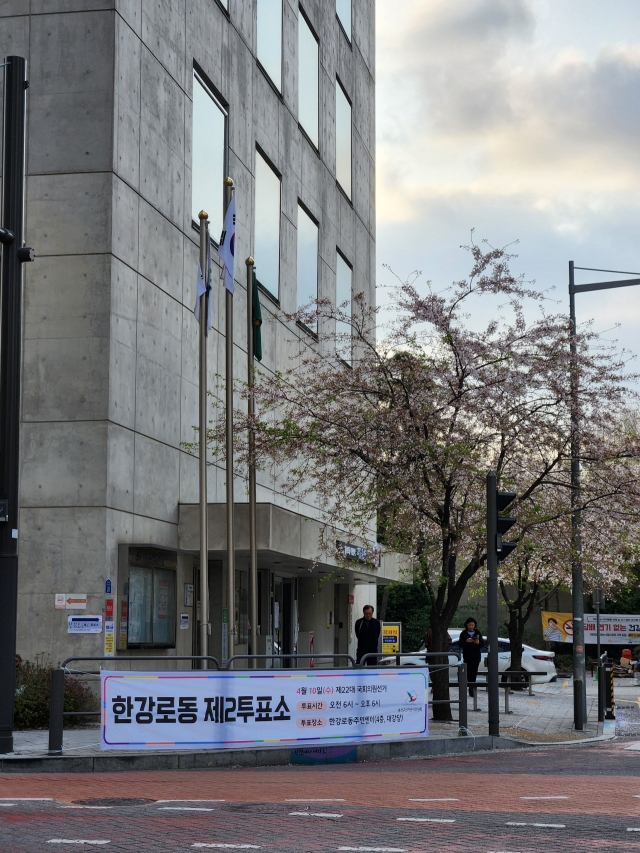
{"points": [[582, 798]]}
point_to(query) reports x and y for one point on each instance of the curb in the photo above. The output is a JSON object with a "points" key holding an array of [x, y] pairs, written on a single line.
{"points": [[263, 757]]}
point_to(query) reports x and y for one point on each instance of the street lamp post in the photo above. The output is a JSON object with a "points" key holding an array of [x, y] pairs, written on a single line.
{"points": [[579, 682]]}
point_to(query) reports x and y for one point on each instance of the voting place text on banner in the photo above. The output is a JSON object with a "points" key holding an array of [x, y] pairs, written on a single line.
{"points": [[208, 709]]}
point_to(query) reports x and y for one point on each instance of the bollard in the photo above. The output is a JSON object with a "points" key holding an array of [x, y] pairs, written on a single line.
{"points": [[609, 701], [462, 698], [600, 671], [577, 705], [530, 680], [506, 700], [56, 710]]}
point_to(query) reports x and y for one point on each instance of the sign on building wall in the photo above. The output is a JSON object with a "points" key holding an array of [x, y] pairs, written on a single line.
{"points": [[70, 601], [152, 710], [391, 638], [84, 624], [614, 629]]}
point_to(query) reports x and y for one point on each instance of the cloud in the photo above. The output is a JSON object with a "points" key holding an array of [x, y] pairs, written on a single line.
{"points": [[470, 101]]}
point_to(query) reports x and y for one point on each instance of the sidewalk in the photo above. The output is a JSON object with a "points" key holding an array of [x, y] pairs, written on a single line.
{"points": [[545, 717]]}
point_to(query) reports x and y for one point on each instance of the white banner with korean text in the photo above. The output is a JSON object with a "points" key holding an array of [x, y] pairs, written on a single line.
{"points": [[210, 709]]}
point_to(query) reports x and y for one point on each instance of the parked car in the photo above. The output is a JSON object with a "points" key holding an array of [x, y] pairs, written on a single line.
{"points": [[533, 660]]}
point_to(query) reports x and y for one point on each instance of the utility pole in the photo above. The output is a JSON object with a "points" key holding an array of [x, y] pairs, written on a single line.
{"points": [[14, 254], [577, 586]]}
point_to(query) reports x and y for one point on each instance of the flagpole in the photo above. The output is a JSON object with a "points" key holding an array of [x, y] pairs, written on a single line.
{"points": [[204, 539], [231, 556], [253, 548]]}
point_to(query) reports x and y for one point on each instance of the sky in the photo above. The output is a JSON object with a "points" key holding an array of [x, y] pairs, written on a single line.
{"points": [[519, 119]]}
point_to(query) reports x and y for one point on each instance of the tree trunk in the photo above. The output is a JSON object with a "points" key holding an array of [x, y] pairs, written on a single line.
{"points": [[439, 674], [515, 628], [385, 601]]}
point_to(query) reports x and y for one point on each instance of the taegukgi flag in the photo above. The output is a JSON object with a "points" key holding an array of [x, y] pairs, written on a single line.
{"points": [[203, 285], [226, 249]]}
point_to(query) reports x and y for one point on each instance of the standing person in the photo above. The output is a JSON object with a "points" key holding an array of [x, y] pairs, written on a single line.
{"points": [[471, 642], [367, 634]]}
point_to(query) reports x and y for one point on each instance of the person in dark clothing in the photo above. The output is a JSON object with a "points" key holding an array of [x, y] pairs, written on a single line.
{"points": [[367, 634], [471, 642]]}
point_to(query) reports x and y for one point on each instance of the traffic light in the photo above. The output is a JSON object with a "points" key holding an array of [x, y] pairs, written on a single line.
{"points": [[503, 523]]}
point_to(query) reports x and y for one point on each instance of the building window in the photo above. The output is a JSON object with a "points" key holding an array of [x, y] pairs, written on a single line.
{"points": [[343, 140], [267, 225], [344, 275], [151, 607], [308, 80], [343, 11], [269, 37], [307, 260], [209, 155]]}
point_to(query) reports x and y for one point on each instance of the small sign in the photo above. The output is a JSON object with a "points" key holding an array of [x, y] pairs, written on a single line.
{"points": [[60, 601], [184, 621], [84, 624], [122, 638], [75, 601], [108, 609], [188, 595], [109, 638], [107, 586], [352, 599], [391, 638]]}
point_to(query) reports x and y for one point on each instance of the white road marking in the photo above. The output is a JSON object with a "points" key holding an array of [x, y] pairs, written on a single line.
{"points": [[545, 825], [86, 807], [313, 814], [28, 799], [184, 809], [317, 800], [75, 841], [426, 819], [434, 800], [190, 801], [6, 805], [229, 846], [562, 797], [633, 829], [375, 849]]}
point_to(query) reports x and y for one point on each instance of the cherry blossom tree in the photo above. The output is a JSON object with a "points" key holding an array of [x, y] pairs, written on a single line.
{"points": [[398, 440]]}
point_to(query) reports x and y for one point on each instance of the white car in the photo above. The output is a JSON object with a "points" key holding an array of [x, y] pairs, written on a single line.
{"points": [[533, 660]]}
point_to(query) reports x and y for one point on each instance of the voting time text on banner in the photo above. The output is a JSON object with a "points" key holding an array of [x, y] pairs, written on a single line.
{"points": [[209, 709]]}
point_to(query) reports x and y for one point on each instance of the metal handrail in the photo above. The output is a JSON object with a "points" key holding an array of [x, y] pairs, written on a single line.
{"points": [[56, 707], [64, 663], [293, 656]]}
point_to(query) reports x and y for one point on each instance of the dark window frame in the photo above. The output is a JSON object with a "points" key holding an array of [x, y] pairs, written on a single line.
{"points": [[270, 80], [349, 198], [275, 297], [313, 32], [214, 94]]}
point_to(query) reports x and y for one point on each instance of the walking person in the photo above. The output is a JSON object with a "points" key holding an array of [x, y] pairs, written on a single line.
{"points": [[471, 642], [367, 634]]}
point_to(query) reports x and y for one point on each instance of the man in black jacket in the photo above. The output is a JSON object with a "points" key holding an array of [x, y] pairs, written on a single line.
{"points": [[368, 634]]}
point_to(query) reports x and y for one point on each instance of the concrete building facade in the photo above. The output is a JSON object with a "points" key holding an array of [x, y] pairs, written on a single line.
{"points": [[117, 138]]}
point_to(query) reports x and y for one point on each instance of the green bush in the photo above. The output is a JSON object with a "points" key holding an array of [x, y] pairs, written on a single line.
{"points": [[409, 604], [33, 686]]}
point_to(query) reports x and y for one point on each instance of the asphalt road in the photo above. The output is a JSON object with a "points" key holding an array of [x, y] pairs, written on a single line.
{"points": [[571, 799]]}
